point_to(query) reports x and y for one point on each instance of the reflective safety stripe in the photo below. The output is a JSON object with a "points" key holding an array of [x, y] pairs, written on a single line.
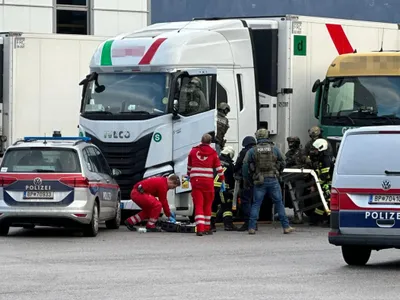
{"points": [[207, 217], [150, 223], [324, 170], [200, 222], [214, 214], [227, 214], [216, 182], [221, 195], [319, 212], [199, 216], [152, 220], [203, 169], [219, 184], [133, 219], [192, 175], [207, 223]]}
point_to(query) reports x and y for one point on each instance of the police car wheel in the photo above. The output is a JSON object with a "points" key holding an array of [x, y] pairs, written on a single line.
{"points": [[4, 229], [92, 229], [114, 223], [356, 255]]}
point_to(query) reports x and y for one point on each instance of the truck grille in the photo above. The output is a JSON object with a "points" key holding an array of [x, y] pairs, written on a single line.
{"points": [[130, 158]]}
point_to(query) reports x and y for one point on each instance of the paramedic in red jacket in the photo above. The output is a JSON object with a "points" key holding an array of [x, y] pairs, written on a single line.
{"points": [[202, 161], [144, 194]]}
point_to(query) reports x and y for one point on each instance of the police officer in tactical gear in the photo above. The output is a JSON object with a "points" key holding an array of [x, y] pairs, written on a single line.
{"points": [[295, 157], [315, 133], [224, 198], [193, 97], [246, 194], [322, 164], [262, 165], [222, 126]]}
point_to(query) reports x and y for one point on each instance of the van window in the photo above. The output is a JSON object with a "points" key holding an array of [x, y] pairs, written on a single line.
{"points": [[369, 154]]}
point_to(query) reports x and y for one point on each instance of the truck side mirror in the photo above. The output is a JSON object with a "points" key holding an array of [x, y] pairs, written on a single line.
{"points": [[317, 89], [175, 108]]}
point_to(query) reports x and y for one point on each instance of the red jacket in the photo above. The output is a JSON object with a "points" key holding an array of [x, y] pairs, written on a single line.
{"points": [[202, 161], [157, 187]]}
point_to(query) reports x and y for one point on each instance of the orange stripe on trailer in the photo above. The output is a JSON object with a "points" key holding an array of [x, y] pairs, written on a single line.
{"points": [[339, 38], [147, 58]]}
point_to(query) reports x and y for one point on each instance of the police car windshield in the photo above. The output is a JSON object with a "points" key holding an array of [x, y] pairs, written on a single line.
{"points": [[362, 101], [128, 93], [41, 160]]}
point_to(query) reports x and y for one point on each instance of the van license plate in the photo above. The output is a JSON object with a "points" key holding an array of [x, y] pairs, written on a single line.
{"points": [[385, 199], [38, 195]]}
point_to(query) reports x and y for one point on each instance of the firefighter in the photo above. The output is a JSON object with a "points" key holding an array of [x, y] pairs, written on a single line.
{"points": [[295, 157], [222, 126], [322, 161], [263, 164], [144, 194], [315, 133], [202, 161], [224, 197], [246, 194]]}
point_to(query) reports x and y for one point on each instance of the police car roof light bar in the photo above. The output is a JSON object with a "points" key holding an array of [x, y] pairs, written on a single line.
{"points": [[64, 138]]}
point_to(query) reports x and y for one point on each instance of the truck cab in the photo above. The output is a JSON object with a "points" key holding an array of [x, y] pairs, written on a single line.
{"points": [[360, 89]]}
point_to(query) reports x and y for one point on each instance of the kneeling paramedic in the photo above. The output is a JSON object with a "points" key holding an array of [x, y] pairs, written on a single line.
{"points": [[144, 194], [321, 158], [202, 161], [263, 164], [223, 192]]}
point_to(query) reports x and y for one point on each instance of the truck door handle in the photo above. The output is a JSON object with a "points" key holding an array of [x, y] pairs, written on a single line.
{"points": [[385, 223]]}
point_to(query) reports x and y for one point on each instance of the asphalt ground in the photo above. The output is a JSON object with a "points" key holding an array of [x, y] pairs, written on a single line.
{"points": [[47, 263]]}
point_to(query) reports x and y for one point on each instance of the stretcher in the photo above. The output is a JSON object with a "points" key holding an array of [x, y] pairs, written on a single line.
{"points": [[290, 177], [181, 227]]}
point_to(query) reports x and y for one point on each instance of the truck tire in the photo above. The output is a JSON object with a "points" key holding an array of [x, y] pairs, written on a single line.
{"points": [[356, 255], [4, 229], [92, 229], [114, 223]]}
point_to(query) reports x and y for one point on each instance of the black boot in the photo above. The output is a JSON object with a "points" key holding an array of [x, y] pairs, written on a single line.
{"points": [[228, 224], [244, 227], [213, 228]]}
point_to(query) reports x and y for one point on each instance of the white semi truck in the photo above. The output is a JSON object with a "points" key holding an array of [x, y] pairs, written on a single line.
{"points": [[141, 106], [38, 75]]}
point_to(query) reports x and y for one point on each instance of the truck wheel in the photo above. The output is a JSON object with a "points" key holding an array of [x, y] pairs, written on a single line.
{"points": [[114, 223], [4, 229], [92, 229], [356, 255]]}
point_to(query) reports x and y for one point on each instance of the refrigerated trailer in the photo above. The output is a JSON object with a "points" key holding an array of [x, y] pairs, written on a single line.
{"points": [[38, 75], [136, 101]]}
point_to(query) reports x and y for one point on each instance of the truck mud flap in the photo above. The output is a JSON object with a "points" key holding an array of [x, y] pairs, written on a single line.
{"points": [[296, 180]]}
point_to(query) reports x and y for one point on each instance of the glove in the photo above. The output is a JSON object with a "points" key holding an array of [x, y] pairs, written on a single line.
{"points": [[172, 220], [222, 189], [173, 215]]}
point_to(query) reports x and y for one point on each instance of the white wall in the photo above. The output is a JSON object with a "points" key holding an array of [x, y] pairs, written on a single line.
{"points": [[107, 17]]}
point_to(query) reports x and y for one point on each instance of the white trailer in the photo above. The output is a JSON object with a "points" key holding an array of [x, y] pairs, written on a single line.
{"points": [[39, 88], [263, 67]]}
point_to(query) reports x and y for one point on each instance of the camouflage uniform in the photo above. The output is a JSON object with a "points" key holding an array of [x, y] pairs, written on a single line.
{"points": [[222, 126], [295, 157], [192, 98]]}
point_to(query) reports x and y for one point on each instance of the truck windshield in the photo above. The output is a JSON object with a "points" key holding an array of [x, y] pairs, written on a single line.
{"points": [[361, 101], [128, 93]]}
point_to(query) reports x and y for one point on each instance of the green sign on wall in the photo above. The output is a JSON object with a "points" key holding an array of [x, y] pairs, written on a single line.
{"points": [[300, 45]]}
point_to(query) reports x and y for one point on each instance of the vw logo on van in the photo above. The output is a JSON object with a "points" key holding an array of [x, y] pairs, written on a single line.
{"points": [[386, 185]]}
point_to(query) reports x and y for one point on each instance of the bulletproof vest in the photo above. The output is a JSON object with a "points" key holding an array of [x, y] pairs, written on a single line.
{"points": [[265, 159], [222, 127]]}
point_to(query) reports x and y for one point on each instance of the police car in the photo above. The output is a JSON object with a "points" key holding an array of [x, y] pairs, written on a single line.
{"points": [[58, 181], [365, 195]]}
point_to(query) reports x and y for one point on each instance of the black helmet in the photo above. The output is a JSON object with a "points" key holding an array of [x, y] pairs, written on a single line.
{"points": [[293, 142], [248, 140]]}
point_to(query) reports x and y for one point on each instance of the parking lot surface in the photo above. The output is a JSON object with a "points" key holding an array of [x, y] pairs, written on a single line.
{"points": [[58, 264]]}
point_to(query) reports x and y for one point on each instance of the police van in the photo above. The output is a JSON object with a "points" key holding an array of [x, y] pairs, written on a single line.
{"points": [[365, 195]]}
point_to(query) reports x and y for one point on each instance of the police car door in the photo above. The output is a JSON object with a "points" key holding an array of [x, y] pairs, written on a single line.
{"points": [[193, 114]]}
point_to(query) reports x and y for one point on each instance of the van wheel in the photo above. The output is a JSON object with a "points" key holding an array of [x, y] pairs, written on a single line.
{"points": [[114, 223], [92, 229], [4, 229], [356, 255]]}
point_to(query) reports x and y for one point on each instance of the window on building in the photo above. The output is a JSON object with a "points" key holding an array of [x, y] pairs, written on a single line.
{"points": [[72, 17], [72, 2]]}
